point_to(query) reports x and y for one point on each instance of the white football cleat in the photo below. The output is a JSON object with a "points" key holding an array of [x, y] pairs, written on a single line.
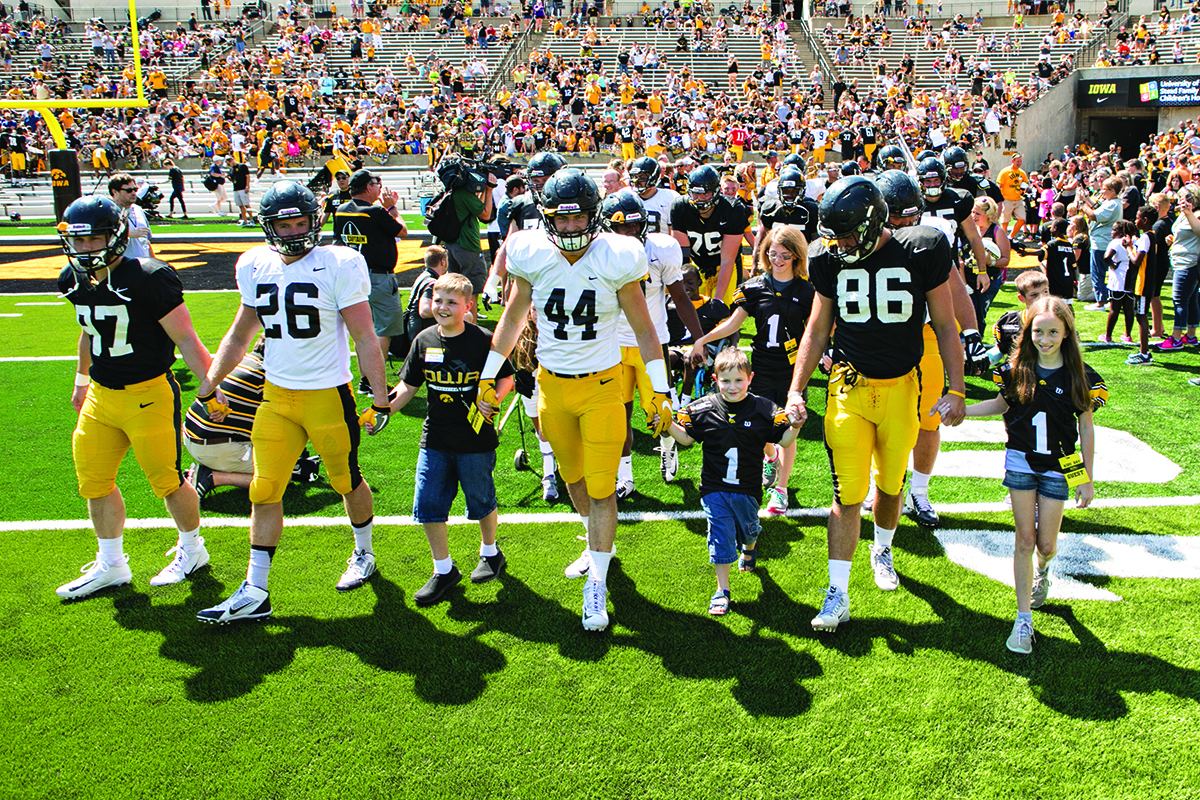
{"points": [[624, 488], [595, 606], [885, 571], [834, 611], [96, 575], [668, 462], [359, 566], [248, 602], [187, 560], [580, 566]]}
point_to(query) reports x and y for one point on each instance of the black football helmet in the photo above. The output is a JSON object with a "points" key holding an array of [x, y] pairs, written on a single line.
{"points": [[931, 174], [92, 216], [852, 208], [902, 195], [541, 167], [624, 207], [791, 186], [287, 200], [955, 159], [924, 154], [849, 168], [644, 174], [891, 156], [795, 160], [570, 191], [704, 186]]}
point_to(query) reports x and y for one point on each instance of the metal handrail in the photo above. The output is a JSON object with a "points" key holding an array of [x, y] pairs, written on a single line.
{"points": [[193, 64], [505, 65], [818, 50]]}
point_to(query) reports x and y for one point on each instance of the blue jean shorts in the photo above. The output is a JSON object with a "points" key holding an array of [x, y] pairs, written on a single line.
{"points": [[732, 522], [1046, 484], [440, 473]]}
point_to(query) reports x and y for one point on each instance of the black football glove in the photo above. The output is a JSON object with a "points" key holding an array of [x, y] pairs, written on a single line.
{"points": [[975, 354]]}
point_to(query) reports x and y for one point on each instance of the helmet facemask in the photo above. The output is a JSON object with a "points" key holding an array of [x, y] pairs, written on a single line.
{"points": [[576, 240], [295, 245], [864, 238]]}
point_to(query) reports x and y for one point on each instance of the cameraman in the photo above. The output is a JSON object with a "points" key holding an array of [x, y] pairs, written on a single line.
{"points": [[472, 198]]}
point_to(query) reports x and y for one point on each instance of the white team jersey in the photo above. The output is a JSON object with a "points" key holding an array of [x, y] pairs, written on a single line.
{"points": [[944, 225], [576, 304], [666, 267], [658, 210], [299, 305]]}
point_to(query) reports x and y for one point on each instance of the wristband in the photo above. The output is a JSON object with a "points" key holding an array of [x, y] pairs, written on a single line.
{"points": [[492, 366], [82, 379], [378, 409], [656, 370], [956, 394]]}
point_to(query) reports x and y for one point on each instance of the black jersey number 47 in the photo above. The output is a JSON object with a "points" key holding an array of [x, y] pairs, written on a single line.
{"points": [[892, 303], [108, 327]]}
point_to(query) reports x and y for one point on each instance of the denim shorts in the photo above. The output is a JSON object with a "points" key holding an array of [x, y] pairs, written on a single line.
{"points": [[732, 522], [440, 473], [1046, 484]]}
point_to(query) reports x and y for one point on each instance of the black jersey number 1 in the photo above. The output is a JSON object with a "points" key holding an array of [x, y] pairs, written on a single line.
{"points": [[583, 315], [294, 312]]}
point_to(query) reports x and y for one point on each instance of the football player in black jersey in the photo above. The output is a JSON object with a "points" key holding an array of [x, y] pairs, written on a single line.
{"points": [[954, 205], [876, 285], [710, 230], [958, 176], [1047, 395], [132, 316], [891, 156], [780, 303], [788, 207]]}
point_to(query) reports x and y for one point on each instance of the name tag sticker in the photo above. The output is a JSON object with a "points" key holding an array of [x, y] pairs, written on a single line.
{"points": [[792, 347], [434, 355], [475, 418], [1073, 470]]}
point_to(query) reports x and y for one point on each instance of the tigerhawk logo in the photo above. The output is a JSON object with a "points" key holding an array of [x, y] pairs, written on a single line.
{"points": [[58, 178]]}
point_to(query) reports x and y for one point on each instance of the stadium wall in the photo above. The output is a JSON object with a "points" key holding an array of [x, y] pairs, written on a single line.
{"points": [[1045, 127]]}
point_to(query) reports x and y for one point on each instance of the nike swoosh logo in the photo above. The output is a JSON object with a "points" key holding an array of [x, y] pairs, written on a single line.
{"points": [[318, 269], [143, 405], [610, 380], [592, 277], [1100, 100]]}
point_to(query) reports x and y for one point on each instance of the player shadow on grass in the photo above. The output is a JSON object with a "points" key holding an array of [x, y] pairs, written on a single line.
{"points": [[1082, 679], [232, 660]]}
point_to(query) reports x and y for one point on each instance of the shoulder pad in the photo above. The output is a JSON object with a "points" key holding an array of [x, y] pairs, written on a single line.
{"points": [[152, 265]]}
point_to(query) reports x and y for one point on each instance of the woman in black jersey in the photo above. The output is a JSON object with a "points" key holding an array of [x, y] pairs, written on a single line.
{"points": [[780, 303], [1047, 395]]}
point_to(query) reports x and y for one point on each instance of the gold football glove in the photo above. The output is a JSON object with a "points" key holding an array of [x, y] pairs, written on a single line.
{"points": [[213, 405], [487, 395], [660, 404], [375, 419]]}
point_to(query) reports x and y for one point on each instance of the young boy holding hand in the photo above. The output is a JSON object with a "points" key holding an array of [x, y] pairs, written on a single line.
{"points": [[733, 426]]}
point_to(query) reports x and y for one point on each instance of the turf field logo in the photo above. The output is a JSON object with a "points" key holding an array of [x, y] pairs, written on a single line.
{"points": [[1114, 555], [1120, 456]]}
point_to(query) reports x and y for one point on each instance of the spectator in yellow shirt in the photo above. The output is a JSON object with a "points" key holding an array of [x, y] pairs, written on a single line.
{"points": [[1013, 182]]}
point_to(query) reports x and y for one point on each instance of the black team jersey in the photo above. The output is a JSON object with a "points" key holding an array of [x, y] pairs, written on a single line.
{"points": [[879, 301], [803, 215], [705, 235], [1046, 429], [524, 212], [1060, 268], [976, 187], [733, 435], [371, 230], [451, 366], [780, 312], [121, 315], [954, 205], [244, 389], [710, 311]]}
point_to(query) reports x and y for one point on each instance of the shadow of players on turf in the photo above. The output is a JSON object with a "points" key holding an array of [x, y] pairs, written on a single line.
{"points": [[232, 660]]}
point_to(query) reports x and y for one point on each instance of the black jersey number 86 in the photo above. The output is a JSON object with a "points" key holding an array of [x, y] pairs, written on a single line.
{"points": [[295, 313], [854, 292]]}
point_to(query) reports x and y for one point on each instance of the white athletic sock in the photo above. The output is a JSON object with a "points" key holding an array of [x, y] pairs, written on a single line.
{"points": [[839, 575], [1025, 616], [667, 443], [584, 519], [685, 400], [488, 550], [600, 561], [362, 535], [920, 483], [112, 551], [883, 536], [443, 566], [548, 464], [625, 470], [189, 539], [259, 568]]}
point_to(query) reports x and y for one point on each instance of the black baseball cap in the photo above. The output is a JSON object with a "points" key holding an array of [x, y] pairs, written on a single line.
{"points": [[360, 180]]}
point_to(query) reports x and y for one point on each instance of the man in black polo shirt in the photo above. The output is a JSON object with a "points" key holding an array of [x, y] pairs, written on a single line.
{"points": [[371, 228], [337, 195]]}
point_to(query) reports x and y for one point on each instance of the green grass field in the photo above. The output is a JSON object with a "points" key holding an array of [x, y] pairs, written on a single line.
{"points": [[498, 692]]}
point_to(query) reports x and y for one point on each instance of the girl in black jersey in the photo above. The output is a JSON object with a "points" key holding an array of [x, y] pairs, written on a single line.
{"points": [[780, 303], [1047, 395]]}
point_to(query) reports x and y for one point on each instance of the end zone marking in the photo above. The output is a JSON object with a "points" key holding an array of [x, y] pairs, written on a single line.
{"points": [[560, 517]]}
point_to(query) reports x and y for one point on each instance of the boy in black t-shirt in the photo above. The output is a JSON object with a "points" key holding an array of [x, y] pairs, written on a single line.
{"points": [[734, 426], [457, 447], [1058, 262]]}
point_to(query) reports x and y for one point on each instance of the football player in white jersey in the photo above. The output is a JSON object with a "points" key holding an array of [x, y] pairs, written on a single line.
{"points": [[623, 213], [644, 176], [305, 298], [580, 281]]}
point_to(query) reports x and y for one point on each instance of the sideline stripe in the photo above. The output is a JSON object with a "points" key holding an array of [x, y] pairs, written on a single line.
{"points": [[560, 517], [60, 303]]}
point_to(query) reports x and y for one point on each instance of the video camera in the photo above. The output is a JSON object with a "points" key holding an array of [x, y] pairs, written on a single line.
{"points": [[457, 172]]}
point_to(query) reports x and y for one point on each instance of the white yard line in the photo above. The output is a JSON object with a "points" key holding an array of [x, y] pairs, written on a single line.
{"points": [[559, 517]]}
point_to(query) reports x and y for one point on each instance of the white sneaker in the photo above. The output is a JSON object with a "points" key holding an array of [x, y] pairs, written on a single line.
{"points": [[777, 506], [248, 602], [624, 488], [359, 566], [549, 488], [96, 575], [1021, 638], [885, 572], [187, 560], [580, 566], [595, 606], [834, 611], [668, 462]]}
